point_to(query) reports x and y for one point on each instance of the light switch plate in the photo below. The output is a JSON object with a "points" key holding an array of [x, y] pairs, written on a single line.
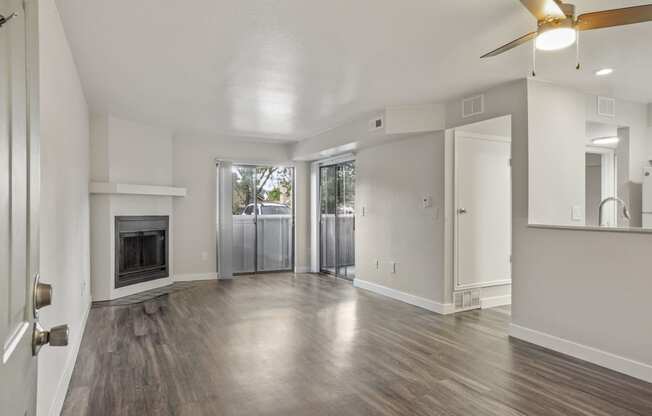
{"points": [[427, 201], [577, 213]]}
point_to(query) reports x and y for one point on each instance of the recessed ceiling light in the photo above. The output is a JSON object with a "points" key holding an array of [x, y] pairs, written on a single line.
{"points": [[604, 71], [605, 140]]}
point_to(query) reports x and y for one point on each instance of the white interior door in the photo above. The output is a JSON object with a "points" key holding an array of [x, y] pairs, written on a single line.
{"points": [[18, 263], [483, 210]]}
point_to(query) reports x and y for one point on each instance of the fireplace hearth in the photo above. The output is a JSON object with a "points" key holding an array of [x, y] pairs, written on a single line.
{"points": [[141, 249]]}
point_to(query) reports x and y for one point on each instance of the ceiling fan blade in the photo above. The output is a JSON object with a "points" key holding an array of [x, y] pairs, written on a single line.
{"points": [[615, 17], [544, 8], [511, 45]]}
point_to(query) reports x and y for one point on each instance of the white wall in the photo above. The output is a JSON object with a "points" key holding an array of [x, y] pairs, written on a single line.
{"points": [[302, 216], [126, 151], [649, 131], [348, 137], [499, 126], [357, 134], [64, 204], [391, 180], [194, 216], [557, 138]]}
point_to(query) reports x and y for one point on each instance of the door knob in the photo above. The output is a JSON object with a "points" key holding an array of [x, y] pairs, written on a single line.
{"points": [[461, 211], [57, 337]]}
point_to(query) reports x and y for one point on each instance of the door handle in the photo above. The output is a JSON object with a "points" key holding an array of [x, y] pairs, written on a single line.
{"points": [[57, 337], [461, 211]]}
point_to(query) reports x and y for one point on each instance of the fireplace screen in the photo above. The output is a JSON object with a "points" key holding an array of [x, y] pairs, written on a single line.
{"points": [[141, 249]]}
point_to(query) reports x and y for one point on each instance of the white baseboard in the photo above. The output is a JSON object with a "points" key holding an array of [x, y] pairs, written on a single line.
{"points": [[195, 276], [305, 269], [64, 381], [493, 301], [583, 352], [431, 305]]}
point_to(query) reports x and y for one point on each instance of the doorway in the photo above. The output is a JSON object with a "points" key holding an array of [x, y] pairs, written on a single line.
{"points": [[337, 219], [478, 235], [263, 218], [600, 183], [601, 178]]}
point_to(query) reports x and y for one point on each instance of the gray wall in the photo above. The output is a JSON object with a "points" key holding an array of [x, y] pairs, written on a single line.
{"points": [[593, 187], [557, 139], [391, 180], [587, 287]]}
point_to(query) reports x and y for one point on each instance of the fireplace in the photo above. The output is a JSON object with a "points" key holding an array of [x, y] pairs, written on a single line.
{"points": [[141, 249]]}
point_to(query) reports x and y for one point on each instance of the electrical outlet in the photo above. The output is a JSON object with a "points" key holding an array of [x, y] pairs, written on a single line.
{"points": [[577, 213], [427, 201]]}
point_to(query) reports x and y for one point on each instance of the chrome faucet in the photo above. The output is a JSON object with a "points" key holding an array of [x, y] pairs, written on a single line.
{"points": [[617, 201]]}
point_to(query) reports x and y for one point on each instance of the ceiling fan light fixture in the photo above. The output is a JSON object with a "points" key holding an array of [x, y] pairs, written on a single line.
{"points": [[556, 39]]}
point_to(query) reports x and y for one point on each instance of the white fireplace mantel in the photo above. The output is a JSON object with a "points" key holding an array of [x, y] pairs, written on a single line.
{"points": [[113, 188]]}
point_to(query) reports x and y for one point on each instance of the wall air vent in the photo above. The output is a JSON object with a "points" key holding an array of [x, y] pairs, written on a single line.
{"points": [[466, 299], [376, 123], [607, 107], [473, 106]]}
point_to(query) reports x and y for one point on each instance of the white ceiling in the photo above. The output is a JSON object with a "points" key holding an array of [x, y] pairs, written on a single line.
{"points": [[288, 69]]}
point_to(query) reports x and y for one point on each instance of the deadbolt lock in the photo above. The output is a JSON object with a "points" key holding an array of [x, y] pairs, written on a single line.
{"points": [[56, 337], [42, 295]]}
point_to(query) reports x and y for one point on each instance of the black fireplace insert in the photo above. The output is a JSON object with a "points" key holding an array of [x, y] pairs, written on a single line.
{"points": [[141, 249]]}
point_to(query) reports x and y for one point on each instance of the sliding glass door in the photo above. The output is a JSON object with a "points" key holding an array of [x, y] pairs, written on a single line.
{"points": [[263, 218], [337, 219], [328, 208]]}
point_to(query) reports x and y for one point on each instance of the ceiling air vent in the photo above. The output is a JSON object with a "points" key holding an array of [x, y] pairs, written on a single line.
{"points": [[376, 123], [473, 106], [606, 107], [466, 299]]}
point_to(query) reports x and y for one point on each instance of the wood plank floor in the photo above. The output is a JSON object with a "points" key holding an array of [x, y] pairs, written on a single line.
{"points": [[283, 344]]}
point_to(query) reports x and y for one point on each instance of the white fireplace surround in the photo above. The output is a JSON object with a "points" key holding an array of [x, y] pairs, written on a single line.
{"points": [[131, 175], [104, 209]]}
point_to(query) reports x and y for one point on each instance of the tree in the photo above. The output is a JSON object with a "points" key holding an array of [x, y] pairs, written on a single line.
{"points": [[272, 184]]}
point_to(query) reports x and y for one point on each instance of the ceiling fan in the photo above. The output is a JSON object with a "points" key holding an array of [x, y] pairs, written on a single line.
{"points": [[558, 27]]}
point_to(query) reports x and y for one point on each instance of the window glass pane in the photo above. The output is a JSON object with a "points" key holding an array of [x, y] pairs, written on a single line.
{"points": [[275, 225]]}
